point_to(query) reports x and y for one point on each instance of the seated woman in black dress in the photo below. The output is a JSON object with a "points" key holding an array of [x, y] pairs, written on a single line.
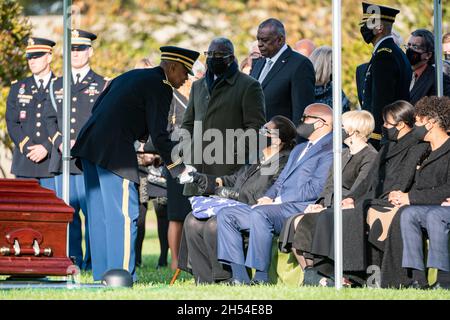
{"points": [[384, 176], [198, 252], [357, 160]]}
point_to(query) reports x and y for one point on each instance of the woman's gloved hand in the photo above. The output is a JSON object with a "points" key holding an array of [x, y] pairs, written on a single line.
{"points": [[225, 192]]}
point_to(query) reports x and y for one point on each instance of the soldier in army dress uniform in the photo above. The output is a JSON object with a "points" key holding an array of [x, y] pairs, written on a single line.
{"points": [[388, 74], [85, 89], [25, 116], [135, 105]]}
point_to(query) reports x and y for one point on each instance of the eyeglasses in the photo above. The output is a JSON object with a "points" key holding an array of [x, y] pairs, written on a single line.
{"points": [[217, 54], [414, 47], [265, 131], [304, 117]]}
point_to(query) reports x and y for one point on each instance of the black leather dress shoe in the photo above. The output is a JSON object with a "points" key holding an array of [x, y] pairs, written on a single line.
{"points": [[233, 282], [311, 277], [259, 283], [415, 285]]}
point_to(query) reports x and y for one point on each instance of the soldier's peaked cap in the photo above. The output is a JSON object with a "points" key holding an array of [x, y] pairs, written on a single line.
{"points": [[82, 39], [375, 11], [184, 56], [37, 47]]}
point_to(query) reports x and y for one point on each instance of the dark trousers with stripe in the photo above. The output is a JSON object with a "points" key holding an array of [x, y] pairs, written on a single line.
{"points": [[77, 200], [113, 206]]}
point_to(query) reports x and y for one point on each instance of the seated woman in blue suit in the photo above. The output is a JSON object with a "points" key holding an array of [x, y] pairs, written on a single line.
{"points": [[198, 249], [299, 184]]}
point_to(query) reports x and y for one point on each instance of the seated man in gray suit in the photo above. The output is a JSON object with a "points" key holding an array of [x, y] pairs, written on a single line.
{"points": [[436, 221], [298, 185]]}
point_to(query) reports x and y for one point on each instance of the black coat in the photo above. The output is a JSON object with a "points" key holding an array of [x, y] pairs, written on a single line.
{"points": [[133, 105], [25, 120], [432, 178], [388, 173], [354, 172], [388, 78], [384, 175], [431, 186], [83, 97], [289, 85], [425, 86], [250, 183]]}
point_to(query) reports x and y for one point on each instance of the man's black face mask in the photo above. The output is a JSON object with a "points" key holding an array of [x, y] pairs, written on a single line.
{"points": [[218, 66], [367, 33]]}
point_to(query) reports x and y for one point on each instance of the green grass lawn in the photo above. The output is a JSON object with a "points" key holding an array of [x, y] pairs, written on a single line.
{"points": [[154, 284]]}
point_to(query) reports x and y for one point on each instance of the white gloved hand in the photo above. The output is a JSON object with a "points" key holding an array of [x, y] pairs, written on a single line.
{"points": [[185, 177]]}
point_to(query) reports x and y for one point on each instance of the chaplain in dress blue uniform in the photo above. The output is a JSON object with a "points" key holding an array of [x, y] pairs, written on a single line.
{"points": [[135, 105], [85, 89], [388, 74], [25, 116]]}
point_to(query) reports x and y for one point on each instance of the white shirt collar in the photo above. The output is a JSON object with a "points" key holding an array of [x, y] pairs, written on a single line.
{"points": [[46, 79], [83, 72], [317, 140], [275, 57], [379, 42]]}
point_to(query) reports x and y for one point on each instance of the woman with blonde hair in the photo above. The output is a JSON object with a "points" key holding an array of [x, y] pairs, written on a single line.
{"points": [[298, 232], [321, 59]]}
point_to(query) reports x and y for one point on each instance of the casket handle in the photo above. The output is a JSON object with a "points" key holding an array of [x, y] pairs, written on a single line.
{"points": [[25, 241]]}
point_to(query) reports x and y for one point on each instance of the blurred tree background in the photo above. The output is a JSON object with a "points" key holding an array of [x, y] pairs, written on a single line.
{"points": [[129, 30]]}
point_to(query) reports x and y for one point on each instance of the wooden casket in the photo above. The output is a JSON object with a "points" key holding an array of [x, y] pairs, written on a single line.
{"points": [[33, 230]]}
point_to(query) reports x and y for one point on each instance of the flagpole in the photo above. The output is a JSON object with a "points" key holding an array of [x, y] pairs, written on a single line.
{"points": [[337, 143], [66, 99], [437, 13]]}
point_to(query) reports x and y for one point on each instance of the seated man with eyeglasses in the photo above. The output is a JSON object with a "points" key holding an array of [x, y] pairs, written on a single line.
{"points": [[299, 184], [420, 53]]}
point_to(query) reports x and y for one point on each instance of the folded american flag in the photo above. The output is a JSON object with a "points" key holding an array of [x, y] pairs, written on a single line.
{"points": [[206, 207]]}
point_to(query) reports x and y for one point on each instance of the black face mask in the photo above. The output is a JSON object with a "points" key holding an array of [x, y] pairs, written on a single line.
{"points": [[345, 135], [420, 132], [305, 130], [266, 141], [390, 134], [367, 33], [447, 56], [413, 56], [218, 66]]}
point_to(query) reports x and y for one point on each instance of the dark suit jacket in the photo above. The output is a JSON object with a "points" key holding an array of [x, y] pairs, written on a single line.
{"points": [[289, 85], [425, 85], [355, 169], [360, 77], [388, 78], [432, 177], [134, 105], [385, 174]]}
